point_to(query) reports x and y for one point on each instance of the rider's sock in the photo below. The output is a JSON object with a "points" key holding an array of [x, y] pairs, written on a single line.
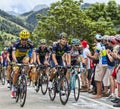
{"points": [[13, 87], [35, 83], [8, 81], [50, 80]]}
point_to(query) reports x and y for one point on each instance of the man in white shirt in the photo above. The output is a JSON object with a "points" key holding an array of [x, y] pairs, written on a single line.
{"points": [[86, 52]]}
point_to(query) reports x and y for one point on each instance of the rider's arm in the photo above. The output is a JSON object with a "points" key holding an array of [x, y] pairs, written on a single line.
{"points": [[34, 56], [68, 55], [54, 54], [14, 56], [38, 59], [46, 56], [8, 57], [68, 59], [1, 59], [54, 59]]}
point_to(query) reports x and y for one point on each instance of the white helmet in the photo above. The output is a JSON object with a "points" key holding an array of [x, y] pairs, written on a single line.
{"points": [[105, 37], [98, 37]]}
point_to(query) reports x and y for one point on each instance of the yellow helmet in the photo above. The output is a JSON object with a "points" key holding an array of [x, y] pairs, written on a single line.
{"points": [[24, 34]]}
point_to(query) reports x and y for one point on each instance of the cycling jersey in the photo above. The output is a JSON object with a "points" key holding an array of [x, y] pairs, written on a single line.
{"points": [[10, 52], [4, 56], [59, 53], [42, 54], [30, 53], [100, 49], [22, 51], [74, 56]]}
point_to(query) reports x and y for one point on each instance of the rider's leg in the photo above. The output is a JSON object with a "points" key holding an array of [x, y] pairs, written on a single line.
{"points": [[9, 70]]}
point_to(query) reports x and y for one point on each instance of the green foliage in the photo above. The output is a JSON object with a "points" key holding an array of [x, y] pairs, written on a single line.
{"points": [[62, 17], [67, 16], [106, 14]]}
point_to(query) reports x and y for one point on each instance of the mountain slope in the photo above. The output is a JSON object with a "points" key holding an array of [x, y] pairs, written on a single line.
{"points": [[30, 17], [13, 25]]}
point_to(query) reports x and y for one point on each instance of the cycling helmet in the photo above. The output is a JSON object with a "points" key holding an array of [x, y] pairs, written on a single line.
{"points": [[24, 34], [98, 37], [112, 40], [117, 38], [43, 41], [75, 41], [63, 35]]}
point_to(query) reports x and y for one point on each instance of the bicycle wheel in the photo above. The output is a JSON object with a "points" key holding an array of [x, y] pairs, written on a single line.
{"points": [[17, 93], [38, 85], [63, 90], [76, 88], [3, 78], [52, 91], [23, 90], [44, 83]]}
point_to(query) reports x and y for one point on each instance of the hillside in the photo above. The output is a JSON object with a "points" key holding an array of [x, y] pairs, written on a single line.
{"points": [[11, 25], [30, 17]]}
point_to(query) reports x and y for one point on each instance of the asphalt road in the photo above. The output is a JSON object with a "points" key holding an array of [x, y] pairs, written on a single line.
{"points": [[38, 101]]}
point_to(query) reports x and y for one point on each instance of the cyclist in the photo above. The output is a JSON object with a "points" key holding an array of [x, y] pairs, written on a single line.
{"points": [[20, 55], [5, 56], [9, 68], [1, 62], [101, 66], [58, 50], [42, 58], [75, 51]]}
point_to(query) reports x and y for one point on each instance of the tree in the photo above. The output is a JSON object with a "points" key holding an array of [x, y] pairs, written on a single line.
{"points": [[62, 17], [83, 24]]}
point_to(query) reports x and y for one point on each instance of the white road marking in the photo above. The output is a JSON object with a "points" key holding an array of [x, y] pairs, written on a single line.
{"points": [[104, 104]]}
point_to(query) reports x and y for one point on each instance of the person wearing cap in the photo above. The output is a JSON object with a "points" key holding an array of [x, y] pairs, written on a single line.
{"points": [[110, 67], [86, 75], [101, 66], [117, 57], [105, 40]]}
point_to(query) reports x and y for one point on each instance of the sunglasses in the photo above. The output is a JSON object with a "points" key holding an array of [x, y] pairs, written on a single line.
{"points": [[24, 39], [76, 45], [43, 43]]}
